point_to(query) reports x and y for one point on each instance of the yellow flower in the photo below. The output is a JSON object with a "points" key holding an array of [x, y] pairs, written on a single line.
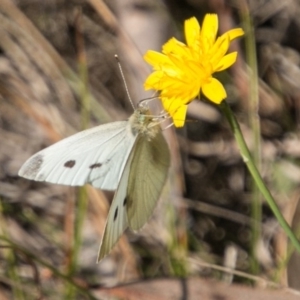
{"points": [[181, 71]]}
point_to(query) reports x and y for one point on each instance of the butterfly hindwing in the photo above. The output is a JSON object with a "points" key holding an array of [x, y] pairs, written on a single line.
{"points": [[96, 156], [117, 221], [148, 173]]}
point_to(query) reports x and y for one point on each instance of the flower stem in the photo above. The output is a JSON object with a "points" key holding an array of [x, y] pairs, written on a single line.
{"points": [[256, 175]]}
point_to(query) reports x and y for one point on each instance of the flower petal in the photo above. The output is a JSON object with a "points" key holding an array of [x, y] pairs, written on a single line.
{"points": [[209, 31], [226, 62], [179, 116], [214, 91], [176, 109], [153, 80], [219, 49], [191, 31], [235, 33], [156, 58], [175, 47]]}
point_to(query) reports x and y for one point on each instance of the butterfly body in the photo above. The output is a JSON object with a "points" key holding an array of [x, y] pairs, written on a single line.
{"points": [[131, 157]]}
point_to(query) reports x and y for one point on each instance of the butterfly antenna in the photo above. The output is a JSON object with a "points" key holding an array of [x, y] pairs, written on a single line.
{"points": [[124, 81]]}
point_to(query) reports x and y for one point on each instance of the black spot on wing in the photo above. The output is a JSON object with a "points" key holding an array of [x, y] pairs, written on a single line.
{"points": [[70, 164], [96, 165], [116, 214], [32, 167], [125, 202]]}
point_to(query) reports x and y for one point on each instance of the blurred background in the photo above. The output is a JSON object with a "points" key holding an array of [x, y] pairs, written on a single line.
{"points": [[58, 75]]}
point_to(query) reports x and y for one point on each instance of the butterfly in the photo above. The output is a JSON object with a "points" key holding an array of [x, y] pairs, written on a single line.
{"points": [[131, 157]]}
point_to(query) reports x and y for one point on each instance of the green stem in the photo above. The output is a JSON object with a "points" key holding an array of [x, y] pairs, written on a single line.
{"points": [[78, 227], [256, 175], [256, 209], [81, 210]]}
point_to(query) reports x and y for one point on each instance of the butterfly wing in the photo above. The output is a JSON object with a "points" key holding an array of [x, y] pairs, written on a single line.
{"points": [[148, 173], [96, 156], [117, 221]]}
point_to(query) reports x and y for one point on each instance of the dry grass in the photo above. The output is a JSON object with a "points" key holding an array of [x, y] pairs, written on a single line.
{"points": [[58, 57]]}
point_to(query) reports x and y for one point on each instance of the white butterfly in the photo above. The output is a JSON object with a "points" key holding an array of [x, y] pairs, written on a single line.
{"points": [[130, 156]]}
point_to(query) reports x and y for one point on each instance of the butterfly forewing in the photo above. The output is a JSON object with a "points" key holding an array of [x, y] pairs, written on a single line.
{"points": [[148, 173], [96, 156]]}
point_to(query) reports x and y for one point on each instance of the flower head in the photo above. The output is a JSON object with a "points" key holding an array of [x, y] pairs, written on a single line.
{"points": [[182, 71]]}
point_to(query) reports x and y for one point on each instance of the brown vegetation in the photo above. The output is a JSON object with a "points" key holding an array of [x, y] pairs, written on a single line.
{"points": [[56, 54]]}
